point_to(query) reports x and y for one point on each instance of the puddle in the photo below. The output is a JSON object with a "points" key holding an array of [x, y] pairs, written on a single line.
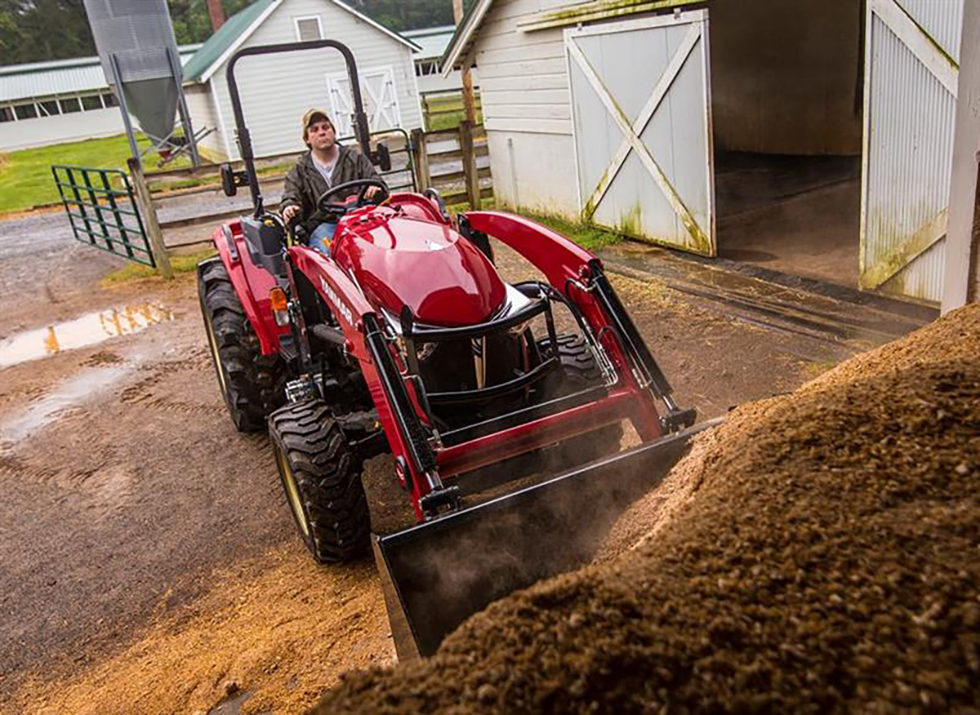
{"points": [[81, 332], [69, 394]]}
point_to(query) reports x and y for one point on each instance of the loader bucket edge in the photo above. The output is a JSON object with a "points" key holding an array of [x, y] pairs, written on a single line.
{"points": [[435, 575]]}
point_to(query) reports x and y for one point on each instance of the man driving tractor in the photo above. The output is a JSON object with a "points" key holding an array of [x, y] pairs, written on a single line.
{"points": [[325, 165]]}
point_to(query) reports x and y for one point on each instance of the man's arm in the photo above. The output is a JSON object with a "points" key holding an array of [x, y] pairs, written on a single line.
{"points": [[292, 194], [366, 170]]}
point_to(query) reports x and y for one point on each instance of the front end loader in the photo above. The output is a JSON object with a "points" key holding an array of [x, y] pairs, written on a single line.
{"points": [[501, 404]]}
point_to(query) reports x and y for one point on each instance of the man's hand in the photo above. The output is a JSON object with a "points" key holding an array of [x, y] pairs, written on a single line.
{"points": [[289, 212], [371, 191]]}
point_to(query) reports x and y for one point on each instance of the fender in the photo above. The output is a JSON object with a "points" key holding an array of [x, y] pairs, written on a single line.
{"points": [[247, 278], [554, 255], [352, 309], [340, 294]]}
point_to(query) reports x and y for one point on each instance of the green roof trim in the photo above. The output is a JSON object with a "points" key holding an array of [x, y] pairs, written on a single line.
{"points": [[224, 38]]}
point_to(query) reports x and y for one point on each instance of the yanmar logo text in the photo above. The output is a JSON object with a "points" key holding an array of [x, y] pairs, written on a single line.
{"points": [[338, 304]]}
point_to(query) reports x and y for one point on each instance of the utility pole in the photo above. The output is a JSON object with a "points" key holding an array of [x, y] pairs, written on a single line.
{"points": [[469, 103], [217, 14]]}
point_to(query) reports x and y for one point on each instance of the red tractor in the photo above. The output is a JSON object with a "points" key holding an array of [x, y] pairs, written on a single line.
{"points": [[406, 341]]}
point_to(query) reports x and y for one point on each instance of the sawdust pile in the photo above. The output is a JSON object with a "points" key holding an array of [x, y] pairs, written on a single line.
{"points": [[644, 519], [272, 635], [830, 559], [958, 340]]}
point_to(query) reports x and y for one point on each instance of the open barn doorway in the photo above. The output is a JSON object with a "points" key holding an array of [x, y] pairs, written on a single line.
{"points": [[787, 102]]}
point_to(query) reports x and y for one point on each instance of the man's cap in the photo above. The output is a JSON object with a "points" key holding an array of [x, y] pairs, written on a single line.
{"points": [[313, 116]]}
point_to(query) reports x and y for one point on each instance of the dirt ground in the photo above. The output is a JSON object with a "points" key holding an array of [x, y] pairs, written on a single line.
{"points": [[825, 562], [150, 563]]}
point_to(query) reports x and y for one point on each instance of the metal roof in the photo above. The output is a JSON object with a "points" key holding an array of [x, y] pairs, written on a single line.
{"points": [[59, 77], [572, 12], [240, 26], [223, 39], [432, 40]]}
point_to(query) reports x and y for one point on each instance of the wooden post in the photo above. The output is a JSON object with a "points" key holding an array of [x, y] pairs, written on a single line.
{"points": [[426, 119], [420, 157], [469, 99], [472, 176], [145, 205], [469, 103]]}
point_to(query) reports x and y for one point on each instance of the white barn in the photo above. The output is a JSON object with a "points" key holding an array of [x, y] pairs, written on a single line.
{"points": [[277, 89], [433, 42], [44, 103], [813, 137]]}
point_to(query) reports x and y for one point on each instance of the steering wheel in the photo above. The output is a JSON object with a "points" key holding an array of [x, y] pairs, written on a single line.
{"points": [[362, 185]]}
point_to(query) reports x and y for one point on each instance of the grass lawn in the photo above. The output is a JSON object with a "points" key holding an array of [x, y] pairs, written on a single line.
{"points": [[447, 112], [25, 175], [181, 263]]}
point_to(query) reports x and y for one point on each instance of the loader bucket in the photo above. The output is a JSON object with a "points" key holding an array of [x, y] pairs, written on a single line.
{"points": [[437, 574]]}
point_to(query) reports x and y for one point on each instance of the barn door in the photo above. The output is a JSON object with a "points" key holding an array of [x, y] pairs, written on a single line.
{"points": [[379, 93], [642, 124], [911, 70]]}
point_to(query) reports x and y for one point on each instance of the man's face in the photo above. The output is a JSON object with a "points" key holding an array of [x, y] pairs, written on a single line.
{"points": [[321, 135]]}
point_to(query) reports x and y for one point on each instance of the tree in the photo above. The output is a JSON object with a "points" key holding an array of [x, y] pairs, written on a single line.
{"points": [[38, 30]]}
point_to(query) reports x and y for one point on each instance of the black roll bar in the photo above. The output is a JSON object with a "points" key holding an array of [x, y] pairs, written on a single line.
{"points": [[245, 140]]}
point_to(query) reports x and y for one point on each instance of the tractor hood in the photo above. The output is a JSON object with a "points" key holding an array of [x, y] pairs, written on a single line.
{"points": [[428, 266]]}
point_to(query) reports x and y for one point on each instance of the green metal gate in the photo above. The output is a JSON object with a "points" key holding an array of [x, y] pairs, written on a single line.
{"points": [[102, 208]]}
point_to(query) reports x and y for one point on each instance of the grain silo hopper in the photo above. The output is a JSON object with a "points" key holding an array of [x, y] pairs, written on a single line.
{"points": [[135, 41]]}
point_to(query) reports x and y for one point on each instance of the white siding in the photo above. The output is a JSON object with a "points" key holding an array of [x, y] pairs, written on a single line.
{"points": [[527, 110], [534, 171], [27, 133], [203, 116], [277, 89], [523, 75]]}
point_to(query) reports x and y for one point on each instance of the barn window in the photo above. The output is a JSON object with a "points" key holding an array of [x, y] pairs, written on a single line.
{"points": [[6, 114], [109, 100], [70, 105], [49, 108], [308, 28], [26, 111], [91, 102]]}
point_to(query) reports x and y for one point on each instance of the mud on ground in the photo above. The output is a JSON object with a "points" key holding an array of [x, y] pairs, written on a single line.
{"points": [[826, 560], [144, 539]]}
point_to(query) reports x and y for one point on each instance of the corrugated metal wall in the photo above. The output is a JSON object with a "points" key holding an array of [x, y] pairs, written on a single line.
{"points": [[909, 126]]}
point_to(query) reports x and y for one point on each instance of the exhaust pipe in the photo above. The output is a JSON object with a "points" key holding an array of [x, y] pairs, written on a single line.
{"points": [[435, 575]]}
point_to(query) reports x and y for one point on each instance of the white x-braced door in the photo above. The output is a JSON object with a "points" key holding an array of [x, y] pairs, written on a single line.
{"points": [[642, 122], [910, 85], [379, 94]]}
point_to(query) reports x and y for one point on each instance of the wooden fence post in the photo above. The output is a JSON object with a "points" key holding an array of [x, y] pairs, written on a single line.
{"points": [[420, 157], [426, 119], [470, 172], [145, 205]]}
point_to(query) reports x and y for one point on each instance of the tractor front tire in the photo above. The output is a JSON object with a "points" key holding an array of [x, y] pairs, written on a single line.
{"points": [[252, 384], [322, 481], [579, 371]]}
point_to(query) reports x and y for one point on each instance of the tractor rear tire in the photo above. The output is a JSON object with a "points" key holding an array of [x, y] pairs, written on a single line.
{"points": [[252, 384], [580, 371], [321, 477]]}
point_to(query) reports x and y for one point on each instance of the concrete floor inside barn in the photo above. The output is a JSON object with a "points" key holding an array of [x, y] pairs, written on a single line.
{"points": [[794, 214]]}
